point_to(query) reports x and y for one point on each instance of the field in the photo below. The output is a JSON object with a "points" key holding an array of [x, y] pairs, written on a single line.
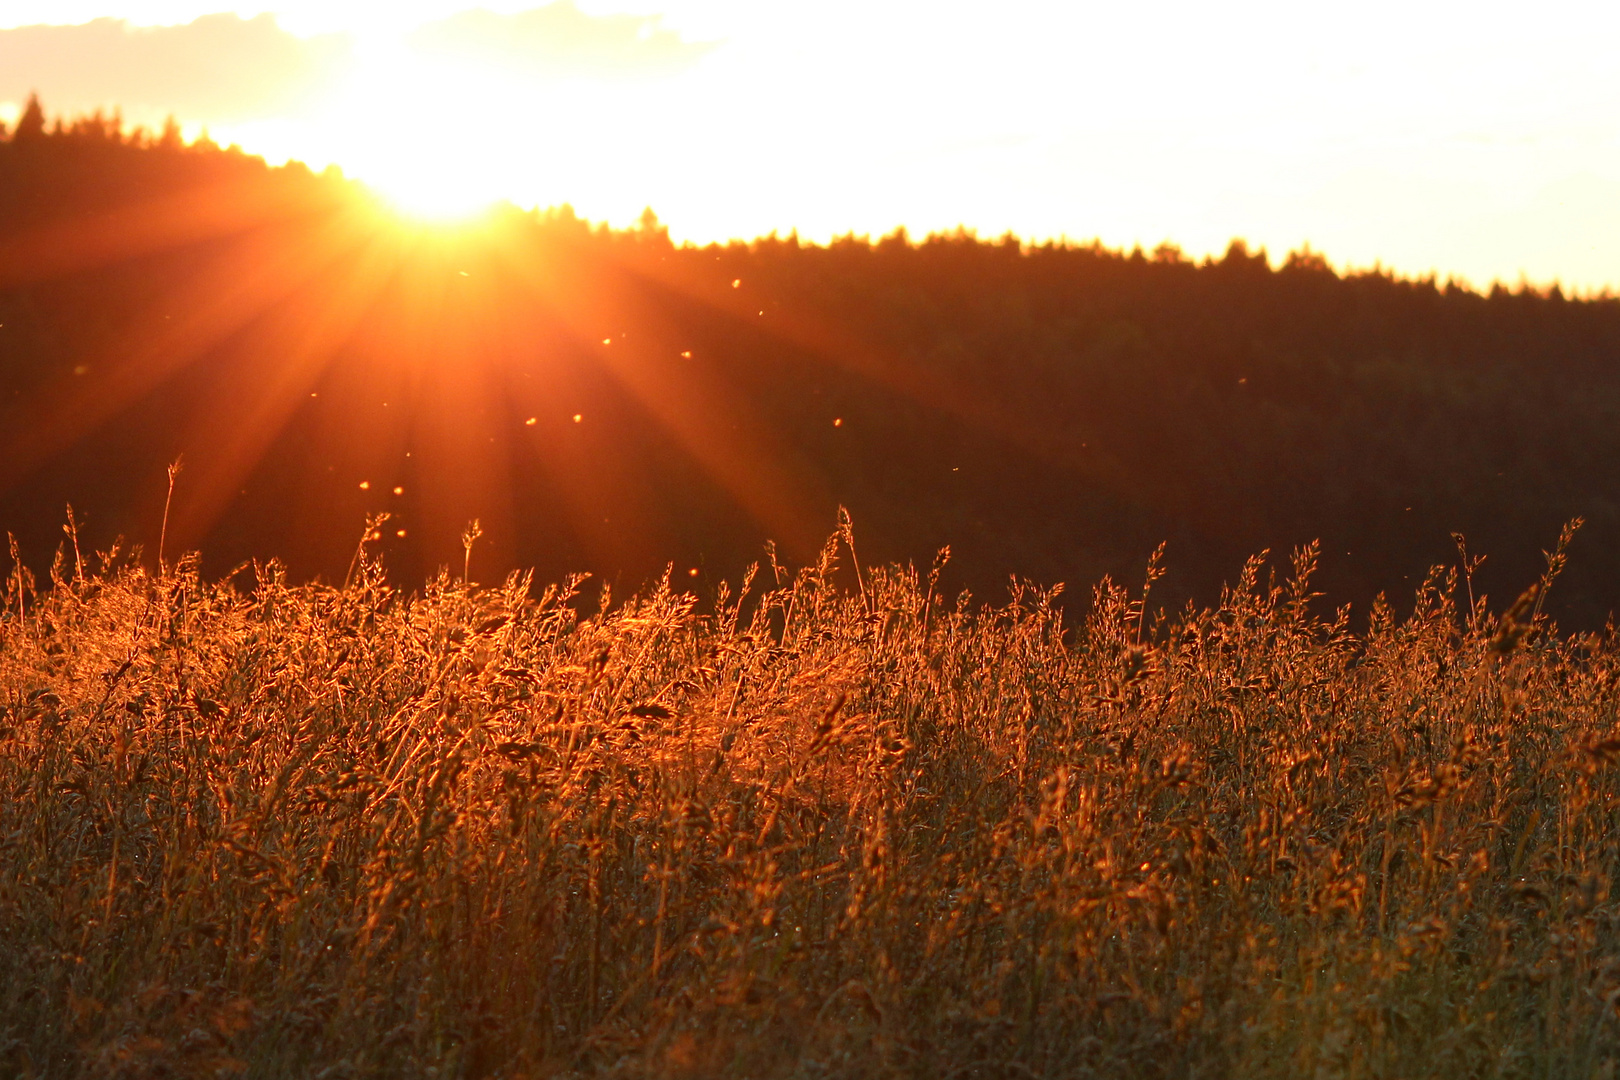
{"points": [[823, 823]]}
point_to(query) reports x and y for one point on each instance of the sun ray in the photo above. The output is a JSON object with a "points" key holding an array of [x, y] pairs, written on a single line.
{"points": [[149, 226], [275, 378], [693, 403], [931, 386], [257, 272]]}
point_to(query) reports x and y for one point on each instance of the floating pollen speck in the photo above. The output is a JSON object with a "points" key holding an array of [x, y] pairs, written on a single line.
{"points": [[399, 491], [687, 355], [400, 533], [365, 485], [692, 572], [607, 341], [736, 283], [531, 421], [578, 417], [838, 422]]}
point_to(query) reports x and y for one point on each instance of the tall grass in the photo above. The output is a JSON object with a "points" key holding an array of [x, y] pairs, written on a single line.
{"points": [[828, 825]]}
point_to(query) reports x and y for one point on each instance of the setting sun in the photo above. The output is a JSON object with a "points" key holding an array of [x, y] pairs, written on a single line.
{"points": [[436, 199], [379, 124]]}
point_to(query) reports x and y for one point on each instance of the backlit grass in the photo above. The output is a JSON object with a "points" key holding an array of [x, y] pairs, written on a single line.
{"points": [[830, 823]]}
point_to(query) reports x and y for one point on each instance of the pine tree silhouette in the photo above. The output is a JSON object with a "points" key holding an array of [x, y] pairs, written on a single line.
{"points": [[31, 125], [171, 138]]}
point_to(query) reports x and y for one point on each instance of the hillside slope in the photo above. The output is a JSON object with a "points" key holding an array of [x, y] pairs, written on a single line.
{"points": [[605, 401]]}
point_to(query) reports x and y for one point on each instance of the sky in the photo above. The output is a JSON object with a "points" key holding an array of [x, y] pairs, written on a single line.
{"points": [[1478, 141]]}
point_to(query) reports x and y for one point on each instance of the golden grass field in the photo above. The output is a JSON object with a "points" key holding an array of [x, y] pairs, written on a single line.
{"points": [[829, 823]]}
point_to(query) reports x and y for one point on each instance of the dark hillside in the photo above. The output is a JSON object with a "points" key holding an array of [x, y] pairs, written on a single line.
{"points": [[1053, 412]]}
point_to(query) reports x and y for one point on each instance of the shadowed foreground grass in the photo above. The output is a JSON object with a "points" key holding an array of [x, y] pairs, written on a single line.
{"points": [[828, 826]]}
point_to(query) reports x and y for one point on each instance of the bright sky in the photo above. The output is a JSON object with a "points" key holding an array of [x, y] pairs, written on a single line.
{"points": [[1480, 139]]}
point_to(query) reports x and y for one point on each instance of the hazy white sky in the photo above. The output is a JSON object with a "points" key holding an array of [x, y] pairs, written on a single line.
{"points": [[1480, 140]]}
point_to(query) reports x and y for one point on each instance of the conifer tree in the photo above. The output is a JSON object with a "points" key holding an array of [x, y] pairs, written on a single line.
{"points": [[31, 125]]}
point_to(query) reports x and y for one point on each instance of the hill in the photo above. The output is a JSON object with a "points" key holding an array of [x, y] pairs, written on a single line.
{"points": [[605, 400]]}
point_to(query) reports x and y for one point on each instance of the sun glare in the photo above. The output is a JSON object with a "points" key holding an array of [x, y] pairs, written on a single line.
{"points": [[432, 199], [412, 131]]}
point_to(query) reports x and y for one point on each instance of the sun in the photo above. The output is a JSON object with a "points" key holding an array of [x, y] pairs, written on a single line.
{"points": [[439, 198], [412, 132]]}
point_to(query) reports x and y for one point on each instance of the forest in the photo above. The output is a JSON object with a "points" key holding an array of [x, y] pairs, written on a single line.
{"points": [[604, 400]]}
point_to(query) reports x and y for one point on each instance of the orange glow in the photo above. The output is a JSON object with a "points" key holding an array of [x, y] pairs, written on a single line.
{"points": [[434, 200], [396, 346], [445, 107]]}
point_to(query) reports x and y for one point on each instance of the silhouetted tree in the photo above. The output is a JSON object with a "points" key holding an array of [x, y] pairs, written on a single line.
{"points": [[31, 125], [170, 139]]}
